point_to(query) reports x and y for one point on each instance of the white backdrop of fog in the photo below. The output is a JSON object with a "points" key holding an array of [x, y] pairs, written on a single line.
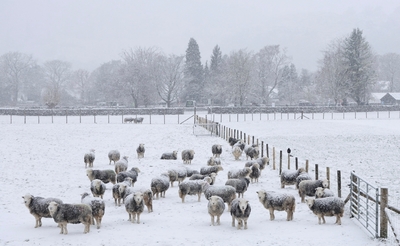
{"points": [[91, 32]]}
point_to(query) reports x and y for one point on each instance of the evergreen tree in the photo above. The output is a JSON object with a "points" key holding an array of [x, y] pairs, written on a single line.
{"points": [[216, 60], [193, 73], [358, 61], [289, 86]]}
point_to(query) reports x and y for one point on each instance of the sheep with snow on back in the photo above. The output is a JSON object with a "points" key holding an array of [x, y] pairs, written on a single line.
{"points": [[117, 194], [140, 151], [134, 205], [262, 162], [121, 165], [237, 152], [176, 174], [288, 177], [38, 207], [216, 150], [255, 172], [212, 177], [209, 170], [226, 192], [133, 174], [301, 177], [240, 210], [277, 201], [190, 172], [104, 175], [114, 156], [187, 156], [307, 187], [191, 187], [98, 208], [240, 185], [213, 161], [169, 156], [321, 192], [71, 213], [328, 206], [160, 185], [253, 152], [98, 188], [240, 173], [147, 195], [216, 207], [88, 158]]}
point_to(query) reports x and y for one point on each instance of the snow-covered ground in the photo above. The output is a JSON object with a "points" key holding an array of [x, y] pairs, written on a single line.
{"points": [[47, 160]]}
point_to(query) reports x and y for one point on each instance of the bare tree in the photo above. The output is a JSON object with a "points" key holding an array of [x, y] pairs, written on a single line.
{"points": [[389, 70], [171, 79], [57, 74], [80, 84], [14, 67]]}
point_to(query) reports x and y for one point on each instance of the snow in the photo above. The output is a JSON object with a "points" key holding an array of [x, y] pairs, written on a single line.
{"points": [[47, 160]]}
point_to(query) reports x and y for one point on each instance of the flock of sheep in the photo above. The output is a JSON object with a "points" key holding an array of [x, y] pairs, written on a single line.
{"points": [[320, 200]]}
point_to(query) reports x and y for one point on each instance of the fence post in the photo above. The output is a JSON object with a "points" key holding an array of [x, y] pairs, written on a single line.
{"points": [[273, 157], [10, 119], [262, 148], [383, 218], [38, 119], [328, 176], [306, 165], [280, 162], [244, 134], [296, 163], [316, 171], [288, 158], [252, 141], [339, 183]]}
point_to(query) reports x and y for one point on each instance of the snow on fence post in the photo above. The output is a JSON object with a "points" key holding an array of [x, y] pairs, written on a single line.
{"points": [[316, 171], [273, 157], [306, 165], [383, 216], [339, 186], [280, 162], [328, 176]]}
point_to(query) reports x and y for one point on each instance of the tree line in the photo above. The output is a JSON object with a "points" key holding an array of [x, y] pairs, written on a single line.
{"points": [[348, 70]]}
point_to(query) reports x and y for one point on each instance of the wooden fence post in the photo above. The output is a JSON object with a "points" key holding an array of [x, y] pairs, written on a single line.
{"points": [[328, 176], [296, 163], [383, 217], [262, 148], [273, 158], [280, 162], [316, 171], [306, 165], [339, 185]]}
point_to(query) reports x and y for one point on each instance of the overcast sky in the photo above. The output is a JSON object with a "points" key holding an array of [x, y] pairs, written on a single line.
{"points": [[88, 33]]}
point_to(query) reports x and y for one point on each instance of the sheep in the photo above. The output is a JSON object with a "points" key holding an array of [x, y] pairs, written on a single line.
{"points": [[104, 175], [140, 151], [114, 156], [252, 151], [133, 174], [190, 172], [239, 173], [216, 207], [240, 185], [176, 175], [98, 188], [288, 177], [307, 187], [88, 158], [328, 206], [128, 119], [212, 176], [255, 172], [301, 177], [134, 205], [237, 152], [213, 161], [147, 195], [169, 156], [117, 195], [187, 156], [277, 201], [191, 187], [216, 150], [160, 185], [262, 162], [321, 192], [226, 192], [212, 169], [38, 207], [232, 141], [98, 208], [71, 213], [240, 210], [121, 165], [240, 144], [138, 120]]}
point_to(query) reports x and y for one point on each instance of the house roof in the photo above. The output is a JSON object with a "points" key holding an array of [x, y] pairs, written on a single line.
{"points": [[376, 97], [395, 95]]}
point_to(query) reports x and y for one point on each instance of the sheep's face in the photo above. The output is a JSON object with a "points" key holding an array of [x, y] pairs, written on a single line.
{"points": [[220, 168], [248, 170], [214, 200], [319, 192], [301, 170], [27, 199], [122, 188], [208, 180], [96, 183], [138, 197], [243, 205], [325, 183], [261, 195], [89, 172], [129, 180], [52, 207], [310, 202]]}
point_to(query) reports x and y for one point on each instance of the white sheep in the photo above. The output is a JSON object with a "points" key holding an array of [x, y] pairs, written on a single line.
{"points": [[98, 188], [134, 205], [307, 187], [121, 165], [140, 151], [71, 213], [98, 208], [88, 158], [191, 187], [321, 192], [190, 172], [117, 195], [114, 156], [288, 177], [262, 162], [147, 195], [216, 207], [252, 151], [104, 175], [169, 156], [160, 185], [277, 201], [213, 169], [240, 173], [187, 156], [240, 210], [213, 161], [133, 174], [226, 192], [237, 152], [255, 172], [240, 185], [212, 176], [38, 207], [328, 206], [301, 177], [216, 150]]}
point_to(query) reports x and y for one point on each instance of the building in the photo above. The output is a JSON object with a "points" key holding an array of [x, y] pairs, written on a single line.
{"points": [[391, 98]]}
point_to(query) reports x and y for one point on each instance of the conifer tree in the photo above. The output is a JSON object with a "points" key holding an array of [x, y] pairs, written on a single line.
{"points": [[193, 73]]}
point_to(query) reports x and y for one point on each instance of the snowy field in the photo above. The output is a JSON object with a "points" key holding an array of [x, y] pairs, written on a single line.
{"points": [[47, 160]]}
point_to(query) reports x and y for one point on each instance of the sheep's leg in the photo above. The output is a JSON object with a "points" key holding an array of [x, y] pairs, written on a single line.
{"points": [[212, 220], [240, 222], [97, 221], [323, 219], [218, 221], [271, 214], [133, 217], [233, 221], [138, 218], [183, 198], [199, 195], [338, 220], [61, 228], [245, 224], [65, 228], [282, 185]]}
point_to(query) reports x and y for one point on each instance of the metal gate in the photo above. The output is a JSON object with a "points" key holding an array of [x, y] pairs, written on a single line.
{"points": [[364, 204]]}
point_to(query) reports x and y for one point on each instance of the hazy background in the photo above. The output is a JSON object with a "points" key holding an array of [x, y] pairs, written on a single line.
{"points": [[91, 32]]}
